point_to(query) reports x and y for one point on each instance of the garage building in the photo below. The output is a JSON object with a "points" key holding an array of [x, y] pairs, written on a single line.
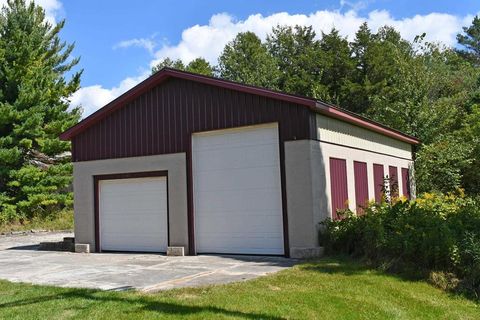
{"points": [[213, 166]]}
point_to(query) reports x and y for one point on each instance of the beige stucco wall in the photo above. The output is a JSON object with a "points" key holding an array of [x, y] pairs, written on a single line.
{"points": [[306, 196], [307, 172], [175, 164], [327, 150]]}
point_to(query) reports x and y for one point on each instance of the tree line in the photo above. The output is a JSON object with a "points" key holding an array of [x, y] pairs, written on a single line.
{"points": [[421, 88]]}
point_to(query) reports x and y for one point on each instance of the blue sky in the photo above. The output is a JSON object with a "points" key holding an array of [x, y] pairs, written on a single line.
{"points": [[118, 41]]}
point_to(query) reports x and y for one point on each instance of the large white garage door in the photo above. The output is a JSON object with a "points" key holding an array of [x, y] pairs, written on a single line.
{"points": [[237, 191], [133, 214]]}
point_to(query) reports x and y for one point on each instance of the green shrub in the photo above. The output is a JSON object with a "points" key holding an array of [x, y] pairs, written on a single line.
{"points": [[40, 193], [436, 232]]}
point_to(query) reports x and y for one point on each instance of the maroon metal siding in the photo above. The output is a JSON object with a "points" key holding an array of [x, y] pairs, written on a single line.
{"points": [[167, 73], [338, 183], [162, 120], [361, 185], [378, 181], [405, 183], [393, 172]]}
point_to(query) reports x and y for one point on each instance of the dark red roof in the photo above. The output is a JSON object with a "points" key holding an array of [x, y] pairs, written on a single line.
{"points": [[167, 73]]}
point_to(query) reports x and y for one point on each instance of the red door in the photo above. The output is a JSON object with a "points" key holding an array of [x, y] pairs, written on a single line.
{"points": [[393, 181], [405, 183], [361, 185], [378, 182], [338, 183]]}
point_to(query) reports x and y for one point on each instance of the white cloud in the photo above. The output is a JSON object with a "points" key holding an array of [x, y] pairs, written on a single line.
{"points": [[145, 43], [92, 98], [53, 8], [354, 5], [209, 40]]}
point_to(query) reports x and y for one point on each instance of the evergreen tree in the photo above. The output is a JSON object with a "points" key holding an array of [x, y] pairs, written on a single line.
{"points": [[168, 63], [246, 60], [299, 58], [360, 49], [359, 87], [338, 64], [34, 164], [470, 41], [200, 66]]}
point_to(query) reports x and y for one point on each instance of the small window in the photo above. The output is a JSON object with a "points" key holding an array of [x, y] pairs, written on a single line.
{"points": [[361, 185], [393, 172], [338, 183], [405, 183], [379, 183]]}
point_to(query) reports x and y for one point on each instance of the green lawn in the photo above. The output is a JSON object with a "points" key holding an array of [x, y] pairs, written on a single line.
{"points": [[328, 289]]}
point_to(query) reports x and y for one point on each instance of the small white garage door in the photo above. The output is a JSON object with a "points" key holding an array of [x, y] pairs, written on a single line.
{"points": [[237, 191], [133, 214]]}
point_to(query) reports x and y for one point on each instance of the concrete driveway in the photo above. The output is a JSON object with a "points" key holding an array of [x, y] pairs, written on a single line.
{"points": [[20, 261]]}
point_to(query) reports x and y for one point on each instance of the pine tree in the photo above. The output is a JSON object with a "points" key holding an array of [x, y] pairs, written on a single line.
{"points": [[168, 63], [35, 173], [359, 87], [200, 66], [246, 60], [299, 58], [470, 41], [339, 66]]}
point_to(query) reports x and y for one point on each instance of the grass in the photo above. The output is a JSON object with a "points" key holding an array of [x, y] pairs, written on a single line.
{"points": [[62, 221], [326, 289]]}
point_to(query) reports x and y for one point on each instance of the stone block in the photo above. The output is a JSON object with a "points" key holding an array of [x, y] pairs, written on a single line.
{"points": [[82, 248], [306, 253], [176, 251]]}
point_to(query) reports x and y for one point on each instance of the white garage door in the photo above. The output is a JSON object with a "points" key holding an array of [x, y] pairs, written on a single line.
{"points": [[133, 214], [237, 191]]}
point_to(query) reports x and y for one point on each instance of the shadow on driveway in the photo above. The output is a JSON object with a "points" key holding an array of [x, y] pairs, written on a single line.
{"points": [[31, 247]]}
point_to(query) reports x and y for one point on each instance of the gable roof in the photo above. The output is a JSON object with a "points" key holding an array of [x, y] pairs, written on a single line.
{"points": [[166, 73]]}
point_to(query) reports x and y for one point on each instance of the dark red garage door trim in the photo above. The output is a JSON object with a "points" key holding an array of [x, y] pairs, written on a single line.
{"points": [[166, 73]]}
